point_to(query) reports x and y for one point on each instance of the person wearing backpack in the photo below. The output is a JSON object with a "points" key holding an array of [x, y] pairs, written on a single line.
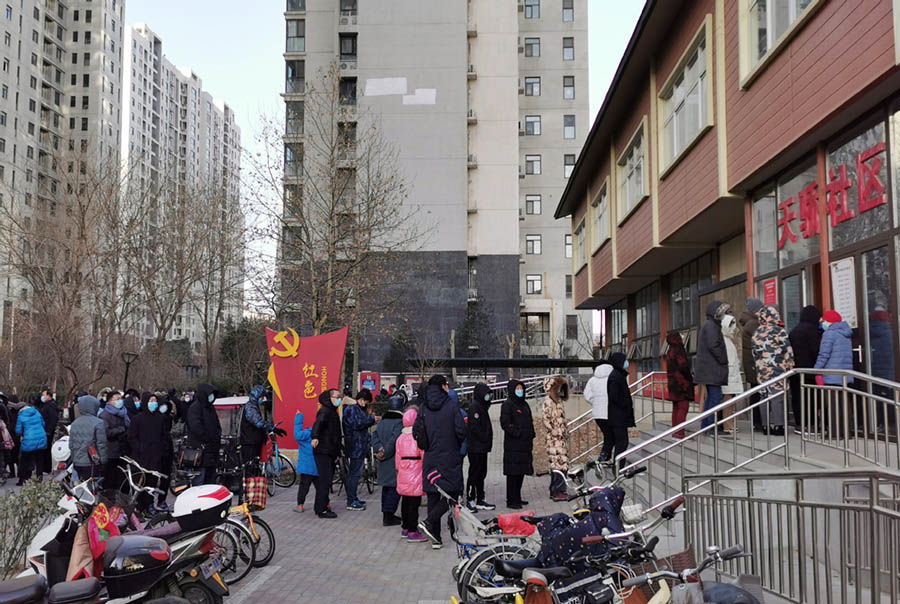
{"points": [[87, 439]]}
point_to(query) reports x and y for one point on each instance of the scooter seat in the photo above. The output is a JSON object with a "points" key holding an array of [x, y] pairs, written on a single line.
{"points": [[23, 591], [74, 591], [513, 568], [551, 574]]}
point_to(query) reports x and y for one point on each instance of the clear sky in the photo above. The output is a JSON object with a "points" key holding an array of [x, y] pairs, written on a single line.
{"points": [[235, 46]]}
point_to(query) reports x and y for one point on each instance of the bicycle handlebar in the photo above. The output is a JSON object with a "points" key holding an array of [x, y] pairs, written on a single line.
{"points": [[735, 551], [132, 462]]}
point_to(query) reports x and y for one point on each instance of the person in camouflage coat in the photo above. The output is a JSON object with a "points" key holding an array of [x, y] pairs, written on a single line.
{"points": [[774, 356], [555, 436]]}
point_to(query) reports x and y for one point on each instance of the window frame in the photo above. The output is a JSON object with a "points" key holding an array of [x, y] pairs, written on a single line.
{"points": [[288, 36], [623, 211], [533, 162], [572, 87], [570, 8], [702, 37], [530, 280], [532, 201], [564, 48], [530, 45], [750, 68], [532, 4], [568, 168], [532, 120], [598, 238], [568, 117], [568, 246], [579, 240], [534, 243], [532, 84]]}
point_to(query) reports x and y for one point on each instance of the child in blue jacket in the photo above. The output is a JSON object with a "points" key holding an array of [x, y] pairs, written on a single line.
{"points": [[306, 463]]}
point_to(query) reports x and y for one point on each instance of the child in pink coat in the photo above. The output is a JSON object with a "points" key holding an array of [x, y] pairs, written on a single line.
{"points": [[408, 461]]}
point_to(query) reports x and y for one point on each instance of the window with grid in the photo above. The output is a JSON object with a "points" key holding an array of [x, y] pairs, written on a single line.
{"points": [[685, 285], [532, 204], [646, 344], [568, 164], [569, 126], [568, 87], [571, 327], [568, 10], [533, 86], [532, 164], [568, 49], [295, 77], [617, 333], [348, 47], [532, 9], [567, 246], [768, 20], [580, 246], [534, 284], [293, 118], [348, 91], [296, 35], [532, 125], [532, 47], [535, 329], [568, 286], [600, 211], [631, 174], [533, 244], [685, 108]]}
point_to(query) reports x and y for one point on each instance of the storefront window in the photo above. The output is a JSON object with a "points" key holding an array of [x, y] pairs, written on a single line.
{"points": [[618, 326], [797, 217], [645, 351], [856, 194], [765, 236], [684, 287]]}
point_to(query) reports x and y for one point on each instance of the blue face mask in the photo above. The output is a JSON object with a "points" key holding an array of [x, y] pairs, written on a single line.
{"points": [[152, 406], [520, 393], [164, 409], [211, 397], [119, 404], [487, 398], [625, 364], [137, 404]]}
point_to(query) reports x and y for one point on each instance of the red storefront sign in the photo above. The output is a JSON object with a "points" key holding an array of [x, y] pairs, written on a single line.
{"points": [[805, 207], [770, 291], [301, 369]]}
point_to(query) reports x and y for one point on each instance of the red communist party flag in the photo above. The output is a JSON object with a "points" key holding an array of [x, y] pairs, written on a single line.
{"points": [[301, 369]]}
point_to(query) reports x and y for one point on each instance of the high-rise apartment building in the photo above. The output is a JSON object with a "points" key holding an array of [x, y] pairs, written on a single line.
{"points": [[486, 103], [178, 140]]}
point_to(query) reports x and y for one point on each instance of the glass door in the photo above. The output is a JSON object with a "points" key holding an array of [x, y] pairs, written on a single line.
{"points": [[877, 318], [793, 298]]}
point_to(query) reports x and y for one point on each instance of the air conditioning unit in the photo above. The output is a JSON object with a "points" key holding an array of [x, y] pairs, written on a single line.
{"points": [[521, 8], [472, 294], [471, 68]]}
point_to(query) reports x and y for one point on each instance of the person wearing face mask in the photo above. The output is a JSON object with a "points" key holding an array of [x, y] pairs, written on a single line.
{"points": [[116, 420], [835, 352], [553, 420], [50, 412], [87, 435], [184, 406], [621, 407], [205, 432], [132, 402], [254, 428], [480, 439], [146, 434], [356, 421], [518, 439], [326, 443], [735, 385], [168, 458]]}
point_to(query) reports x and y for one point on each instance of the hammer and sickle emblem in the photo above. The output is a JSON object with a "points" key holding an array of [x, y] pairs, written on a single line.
{"points": [[290, 349]]}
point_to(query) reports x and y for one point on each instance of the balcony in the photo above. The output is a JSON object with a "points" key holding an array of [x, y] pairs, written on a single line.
{"points": [[293, 169], [295, 6], [295, 86]]}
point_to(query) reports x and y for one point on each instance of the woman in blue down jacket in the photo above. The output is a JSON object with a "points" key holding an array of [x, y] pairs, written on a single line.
{"points": [[30, 427]]}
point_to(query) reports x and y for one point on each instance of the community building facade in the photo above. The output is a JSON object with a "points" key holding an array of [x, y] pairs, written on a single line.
{"points": [[743, 152]]}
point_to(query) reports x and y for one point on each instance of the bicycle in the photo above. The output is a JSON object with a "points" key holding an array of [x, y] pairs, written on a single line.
{"points": [[277, 468], [370, 472], [260, 530]]}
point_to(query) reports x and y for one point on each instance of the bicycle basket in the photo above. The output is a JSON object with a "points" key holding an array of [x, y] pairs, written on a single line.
{"points": [[676, 563]]}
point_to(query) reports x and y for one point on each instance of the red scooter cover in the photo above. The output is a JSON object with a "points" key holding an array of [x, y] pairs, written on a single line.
{"points": [[512, 524]]}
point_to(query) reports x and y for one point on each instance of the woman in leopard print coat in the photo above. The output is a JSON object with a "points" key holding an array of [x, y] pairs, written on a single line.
{"points": [[555, 434]]}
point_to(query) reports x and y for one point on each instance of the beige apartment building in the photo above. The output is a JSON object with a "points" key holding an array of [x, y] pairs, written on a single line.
{"points": [[453, 85]]}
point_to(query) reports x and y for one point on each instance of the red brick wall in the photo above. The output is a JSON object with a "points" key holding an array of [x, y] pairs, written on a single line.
{"points": [[601, 266], [693, 184], [630, 123], [635, 237], [581, 292], [844, 48]]}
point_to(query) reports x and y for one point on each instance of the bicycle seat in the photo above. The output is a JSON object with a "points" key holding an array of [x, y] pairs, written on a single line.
{"points": [[82, 590], [535, 520], [23, 591], [551, 574], [514, 568]]}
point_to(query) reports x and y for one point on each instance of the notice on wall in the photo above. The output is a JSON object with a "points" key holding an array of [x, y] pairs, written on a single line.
{"points": [[770, 292], [843, 289]]}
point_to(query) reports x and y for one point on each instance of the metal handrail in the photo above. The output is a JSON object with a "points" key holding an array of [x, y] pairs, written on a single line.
{"points": [[631, 387]]}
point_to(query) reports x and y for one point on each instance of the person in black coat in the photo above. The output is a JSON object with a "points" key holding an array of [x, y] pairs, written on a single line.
{"points": [[621, 407], [132, 402], [805, 339], [439, 431], [146, 435], [50, 412], [518, 438], [205, 431], [326, 443], [117, 421], [711, 362], [480, 438]]}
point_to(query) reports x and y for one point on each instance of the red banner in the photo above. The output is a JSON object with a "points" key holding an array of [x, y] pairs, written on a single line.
{"points": [[301, 369]]}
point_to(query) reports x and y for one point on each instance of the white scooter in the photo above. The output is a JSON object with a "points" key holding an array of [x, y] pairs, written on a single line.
{"points": [[60, 453]]}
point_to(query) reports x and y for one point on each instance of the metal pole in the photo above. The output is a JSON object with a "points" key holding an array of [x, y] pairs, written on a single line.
{"points": [[127, 366]]}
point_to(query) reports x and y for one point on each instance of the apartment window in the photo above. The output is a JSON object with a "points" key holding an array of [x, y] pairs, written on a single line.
{"points": [[533, 244], [348, 47], [87, 59], [86, 80], [84, 124], [533, 86], [29, 152], [535, 328], [35, 37], [348, 7], [87, 37], [2, 118], [600, 212], [769, 20], [85, 102], [631, 173], [5, 65], [569, 126], [568, 164], [568, 10], [32, 83], [532, 125], [533, 204], [295, 77], [568, 286], [532, 47], [568, 87], [76, 15], [532, 164], [571, 327], [294, 118], [74, 79], [37, 13], [7, 39], [4, 91], [2, 145], [580, 247], [567, 246], [31, 128], [532, 9], [74, 58], [34, 59], [87, 16], [296, 35], [568, 49], [348, 91], [293, 5], [685, 103], [534, 284], [8, 12], [32, 105]]}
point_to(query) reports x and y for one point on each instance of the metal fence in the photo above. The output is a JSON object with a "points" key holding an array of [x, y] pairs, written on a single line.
{"points": [[813, 537]]}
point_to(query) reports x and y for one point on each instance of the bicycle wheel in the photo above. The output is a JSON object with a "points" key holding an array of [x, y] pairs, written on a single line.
{"points": [[370, 475], [236, 564], [283, 472], [479, 571], [270, 484], [265, 542]]}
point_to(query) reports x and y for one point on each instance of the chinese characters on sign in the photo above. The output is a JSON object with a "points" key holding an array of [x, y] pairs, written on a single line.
{"points": [[870, 195], [770, 291]]}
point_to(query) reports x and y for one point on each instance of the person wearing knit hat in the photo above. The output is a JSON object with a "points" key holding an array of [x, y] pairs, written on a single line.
{"points": [[754, 304], [835, 352], [831, 317], [748, 322]]}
